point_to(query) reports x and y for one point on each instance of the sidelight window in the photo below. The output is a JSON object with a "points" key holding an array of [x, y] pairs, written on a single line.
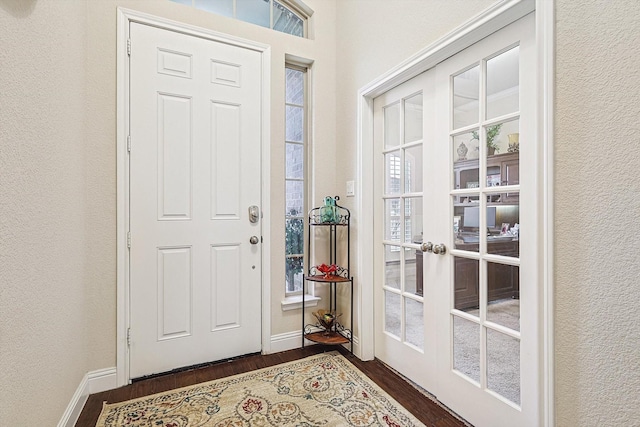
{"points": [[295, 175]]}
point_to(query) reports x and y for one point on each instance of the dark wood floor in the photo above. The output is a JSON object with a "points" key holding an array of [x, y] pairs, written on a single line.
{"points": [[419, 405]]}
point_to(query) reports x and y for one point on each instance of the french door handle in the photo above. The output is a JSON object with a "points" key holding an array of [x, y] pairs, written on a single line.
{"points": [[440, 249], [427, 247]]}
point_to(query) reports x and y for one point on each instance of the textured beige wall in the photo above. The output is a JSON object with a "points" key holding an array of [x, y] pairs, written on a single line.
{"points": [[57, 251], [597, 213], [58, 185]]}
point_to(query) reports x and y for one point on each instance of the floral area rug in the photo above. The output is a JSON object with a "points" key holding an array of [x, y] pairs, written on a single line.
{"points": [[321, 390]]}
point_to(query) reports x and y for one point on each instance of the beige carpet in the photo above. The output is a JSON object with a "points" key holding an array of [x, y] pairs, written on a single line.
{"points": [[321, 390]]}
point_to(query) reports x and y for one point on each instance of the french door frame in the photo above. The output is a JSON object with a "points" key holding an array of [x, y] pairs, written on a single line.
{"points": [[125, 18], [489, 21]]}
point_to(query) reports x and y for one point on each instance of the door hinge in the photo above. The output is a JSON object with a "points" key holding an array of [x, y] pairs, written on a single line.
{"points": [[128, 337], [129, 239], [129, 47], [128, 143]]}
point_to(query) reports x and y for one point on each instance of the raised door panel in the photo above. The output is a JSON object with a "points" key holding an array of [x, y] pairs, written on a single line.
{"points": [[174, 292], [174, 157]]}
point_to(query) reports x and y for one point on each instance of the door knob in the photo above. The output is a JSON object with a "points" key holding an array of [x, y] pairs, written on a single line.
{"points": [[427, 247], [440, 249], [254, 240]]}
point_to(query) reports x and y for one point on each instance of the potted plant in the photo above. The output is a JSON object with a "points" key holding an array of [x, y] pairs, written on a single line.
{"points": [[492, 133]]}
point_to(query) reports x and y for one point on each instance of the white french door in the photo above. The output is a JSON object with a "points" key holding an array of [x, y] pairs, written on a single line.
{"points": [[405, 334], [195, 277], [457, 290]]}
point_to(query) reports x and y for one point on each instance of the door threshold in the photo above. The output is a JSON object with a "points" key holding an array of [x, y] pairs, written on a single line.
{"points": [[193, 367]]}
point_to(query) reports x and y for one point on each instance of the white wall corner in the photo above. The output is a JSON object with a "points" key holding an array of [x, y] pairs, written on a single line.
{"points": [[92, 382]]}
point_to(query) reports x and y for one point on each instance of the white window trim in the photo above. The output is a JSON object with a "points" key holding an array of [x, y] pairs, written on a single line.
{"points": [[293, 300], [299, 7]]}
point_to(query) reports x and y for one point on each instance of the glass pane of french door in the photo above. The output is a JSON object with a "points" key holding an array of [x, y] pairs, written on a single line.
{"points": [[485, 193], [403, 220]]}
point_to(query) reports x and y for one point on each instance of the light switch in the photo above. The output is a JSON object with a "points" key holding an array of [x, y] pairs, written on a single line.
{"points": [[351, 188]]}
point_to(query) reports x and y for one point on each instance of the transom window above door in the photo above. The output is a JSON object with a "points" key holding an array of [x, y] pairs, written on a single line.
{"points": [[286, 16]]}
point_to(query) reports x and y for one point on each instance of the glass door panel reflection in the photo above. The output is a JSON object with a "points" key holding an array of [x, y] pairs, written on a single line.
{"points": [[392, 266], [392, 173], [392, 126], [410, 273], [413, 223], [504, 229], [392, 314], [466, 222], [503, 83], [413, 118], [503, 365], [502, 138], [465, 147], [414, 319], [392, 220], [466, 278], [466, 347], [466, 96], [413, 169], [503, 295]]}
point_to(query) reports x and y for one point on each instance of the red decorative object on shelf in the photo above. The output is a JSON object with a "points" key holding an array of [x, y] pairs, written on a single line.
{"points": [[327, 270]]}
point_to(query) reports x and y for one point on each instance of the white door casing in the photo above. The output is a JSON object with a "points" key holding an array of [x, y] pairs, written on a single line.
{"points": [[202, 281], [448, 385]]}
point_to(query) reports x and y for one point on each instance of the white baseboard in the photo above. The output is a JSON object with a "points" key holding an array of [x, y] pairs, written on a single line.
{"points": [[291, 340], [286, 341], [92, 382]]}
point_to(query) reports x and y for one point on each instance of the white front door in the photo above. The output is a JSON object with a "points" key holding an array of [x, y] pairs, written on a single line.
{"points": [[462, 318], [195, 278]]}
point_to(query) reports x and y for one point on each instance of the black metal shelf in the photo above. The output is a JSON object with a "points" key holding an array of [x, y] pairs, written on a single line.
{"points": [[331, 217]]}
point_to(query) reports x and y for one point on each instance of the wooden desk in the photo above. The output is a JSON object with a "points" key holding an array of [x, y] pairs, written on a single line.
{"points": [[503, 280]]}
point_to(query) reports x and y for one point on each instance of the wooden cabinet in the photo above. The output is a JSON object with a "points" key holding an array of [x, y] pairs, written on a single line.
{"points": [[502, 169], [510, 172], [503, 280]]}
